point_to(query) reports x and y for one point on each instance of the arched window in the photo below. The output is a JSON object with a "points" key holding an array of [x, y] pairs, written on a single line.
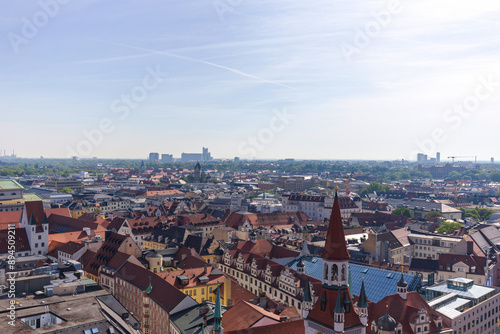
{"points": [[325, 271], [342, 274], [335, 273]]}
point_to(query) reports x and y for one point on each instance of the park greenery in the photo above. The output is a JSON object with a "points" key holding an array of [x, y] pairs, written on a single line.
{"points": [[448, 227], [374, 187], [402, 211], [433, 214], [370, 171], [479, 214]]}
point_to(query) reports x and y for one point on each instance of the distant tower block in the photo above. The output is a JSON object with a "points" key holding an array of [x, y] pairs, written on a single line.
{"points": [[492, 160], [438, 157]]}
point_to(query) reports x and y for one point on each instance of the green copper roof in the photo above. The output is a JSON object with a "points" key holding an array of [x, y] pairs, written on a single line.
{"points": [[339, 305], [307, 292], [149, 288], [402, 283], [217, 312], [362, 302], [10, 185], [32, 220], [349, 279]]}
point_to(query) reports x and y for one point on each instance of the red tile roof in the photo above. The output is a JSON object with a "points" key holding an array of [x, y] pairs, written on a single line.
{"points": [[264, 247], [335, 246], [243, 315], [71, 247], [104, 255], [325, 317], [402, 311], [59, 211], [470, 260], [236, 219], [163, 293], [21, 240], [35, 208], [59, 224], [9, 217], [288, 327]]}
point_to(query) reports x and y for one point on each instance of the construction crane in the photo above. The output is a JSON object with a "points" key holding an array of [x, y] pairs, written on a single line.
{"points": [[453, 158]]}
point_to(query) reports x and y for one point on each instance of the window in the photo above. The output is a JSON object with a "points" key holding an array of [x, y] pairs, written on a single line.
{"points": [[335, 273]]}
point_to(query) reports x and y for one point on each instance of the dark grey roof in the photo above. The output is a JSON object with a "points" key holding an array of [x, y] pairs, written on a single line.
{"points": [[118, 308], [190, 321]]}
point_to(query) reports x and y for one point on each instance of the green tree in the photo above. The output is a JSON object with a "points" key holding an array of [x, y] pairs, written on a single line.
{"points": [[452, 176], [433, 214], [403, 212], [374, 187], [495, 176], [67, 190], [448, 227], [479, 214]]}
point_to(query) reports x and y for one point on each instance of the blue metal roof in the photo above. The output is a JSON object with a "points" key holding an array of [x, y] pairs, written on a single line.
{"points": [[378, 282]]}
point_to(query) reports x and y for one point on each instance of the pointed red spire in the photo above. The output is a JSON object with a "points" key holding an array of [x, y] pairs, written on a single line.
{"points": [[335, 247]]}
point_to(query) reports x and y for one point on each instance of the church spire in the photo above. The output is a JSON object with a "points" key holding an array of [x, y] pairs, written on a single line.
{"points": [[362, 301], [218, 314], [335, 246]]}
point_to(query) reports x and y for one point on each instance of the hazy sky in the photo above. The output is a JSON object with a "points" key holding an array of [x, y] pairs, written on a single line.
{"points": [[267, 79]]}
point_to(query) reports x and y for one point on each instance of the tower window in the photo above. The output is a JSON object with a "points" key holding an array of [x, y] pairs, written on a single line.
{"points": [[335, 273]]}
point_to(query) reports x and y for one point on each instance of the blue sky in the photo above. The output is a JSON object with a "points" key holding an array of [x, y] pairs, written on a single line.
{"points": [[359, 85]]}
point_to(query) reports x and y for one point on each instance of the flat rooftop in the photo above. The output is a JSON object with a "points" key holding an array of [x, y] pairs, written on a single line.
{"points": [[475, 292], [81, 310]]}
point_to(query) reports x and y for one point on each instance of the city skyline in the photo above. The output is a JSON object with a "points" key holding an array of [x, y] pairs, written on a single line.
{"points": [[382, 80]]}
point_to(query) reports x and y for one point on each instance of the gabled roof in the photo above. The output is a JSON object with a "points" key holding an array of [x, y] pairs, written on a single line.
{"points": [[264, 247], [403, 311], [21, 240], [265, 219], [244, 315], [107, 251], [325, 307], [34, 209], [335, 245], [287, 327], [71, 247], [163, 293]]}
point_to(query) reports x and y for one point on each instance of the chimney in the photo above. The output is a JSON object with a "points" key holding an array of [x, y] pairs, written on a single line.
{"points": [[470, 247]]}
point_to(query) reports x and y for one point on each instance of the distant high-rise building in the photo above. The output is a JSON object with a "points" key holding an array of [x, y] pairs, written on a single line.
{"points": [[154, 157], [421, 157], [438, 157], [190, 157], [492, 160], [167, 158]]}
